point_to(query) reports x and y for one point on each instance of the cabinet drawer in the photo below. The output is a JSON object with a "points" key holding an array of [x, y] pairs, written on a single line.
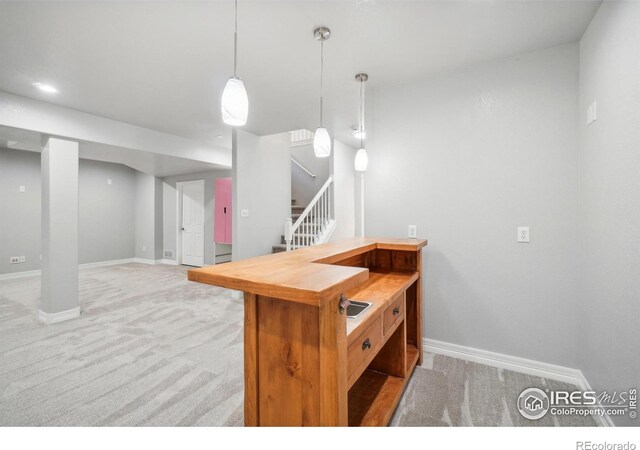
{"points": [[362, 349], [393, 313]]}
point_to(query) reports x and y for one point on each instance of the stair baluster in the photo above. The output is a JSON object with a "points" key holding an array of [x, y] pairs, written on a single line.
{"points": [[315, 224]]}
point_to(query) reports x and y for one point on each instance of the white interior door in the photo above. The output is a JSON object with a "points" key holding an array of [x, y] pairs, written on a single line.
{"points": [[192, 227]]}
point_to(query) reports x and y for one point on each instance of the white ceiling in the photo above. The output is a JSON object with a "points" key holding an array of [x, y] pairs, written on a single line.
{"points": [[163, 65]]}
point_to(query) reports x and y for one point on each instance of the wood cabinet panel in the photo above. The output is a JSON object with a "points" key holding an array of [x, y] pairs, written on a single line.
{"points": [[394, 313], [363, 349]]}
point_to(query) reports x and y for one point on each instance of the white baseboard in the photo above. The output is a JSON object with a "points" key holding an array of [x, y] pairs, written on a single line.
{"points": [[113, 262], [501, 361], [30, 273], [49, 318], [151, 262], [25, 274], [170, 262], [522, 365], [603, 421]]}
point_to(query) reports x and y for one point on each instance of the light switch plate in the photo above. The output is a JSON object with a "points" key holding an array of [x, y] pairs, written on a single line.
{"points": [[244, 213], [23, 189], [23, 259], [523, 234], [592, 113], [108, 180], [413, 231]]}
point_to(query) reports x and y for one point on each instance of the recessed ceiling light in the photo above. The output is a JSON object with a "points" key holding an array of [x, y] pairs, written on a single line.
{"points": [[45, 87]]}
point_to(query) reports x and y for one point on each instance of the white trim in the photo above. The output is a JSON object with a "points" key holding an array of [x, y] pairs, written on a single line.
{"points": [[178, 250], [499, 360], [30, 273], [603, 421], [25, 274], [169, 262], [151, 262], [50, 318], [328, 232], [516, 364], [113, 262]]}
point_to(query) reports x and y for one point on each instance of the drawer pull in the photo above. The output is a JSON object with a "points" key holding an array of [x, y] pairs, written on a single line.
{"points": [[366, 344], [396, 311]]}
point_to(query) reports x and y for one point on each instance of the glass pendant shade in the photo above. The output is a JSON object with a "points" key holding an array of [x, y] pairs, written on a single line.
{"points": [[235, 103], [362, 160], [321, 143]]}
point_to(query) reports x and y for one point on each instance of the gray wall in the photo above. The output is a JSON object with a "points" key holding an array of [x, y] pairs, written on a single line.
{"points": [[148, 217], [106, 211], [469, 156], [303, 186], [609, 250], [261, 184], [170, 214], [20, 218]]}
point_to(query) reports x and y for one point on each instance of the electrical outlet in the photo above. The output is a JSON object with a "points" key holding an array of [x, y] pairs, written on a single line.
{"points": [[23, 259], [244, 213], [23, 189], [413, 231], [523, 234], [14, 260]]}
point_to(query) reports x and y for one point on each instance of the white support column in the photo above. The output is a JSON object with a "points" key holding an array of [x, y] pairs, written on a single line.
{"points": [[362, 204], [59, 295]]}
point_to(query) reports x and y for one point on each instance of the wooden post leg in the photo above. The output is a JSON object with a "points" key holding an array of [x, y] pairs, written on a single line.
{"points": [[419, 307], [250, 360], [333, 366]]}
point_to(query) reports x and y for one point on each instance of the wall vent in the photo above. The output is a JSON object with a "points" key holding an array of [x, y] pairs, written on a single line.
{"points": [[301, 137], [168, 254]]}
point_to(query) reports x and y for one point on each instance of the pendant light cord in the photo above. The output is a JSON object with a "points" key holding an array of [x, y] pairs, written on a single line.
{"points": [[321, 78], [362, 114], [235, 42]]}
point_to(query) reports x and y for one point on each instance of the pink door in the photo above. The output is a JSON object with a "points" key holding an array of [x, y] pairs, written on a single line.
{"points": [[222, 211]]}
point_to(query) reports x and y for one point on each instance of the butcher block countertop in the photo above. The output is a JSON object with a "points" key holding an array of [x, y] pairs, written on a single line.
{"points": [[306, 275]]}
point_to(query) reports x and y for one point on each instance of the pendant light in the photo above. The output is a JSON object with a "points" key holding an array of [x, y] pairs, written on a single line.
{"points": [[235, 103], [321, 138], [362, 160]]}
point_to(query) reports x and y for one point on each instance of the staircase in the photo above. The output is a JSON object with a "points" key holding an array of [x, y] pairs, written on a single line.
{"points": [[310, 225], [296, 210]]}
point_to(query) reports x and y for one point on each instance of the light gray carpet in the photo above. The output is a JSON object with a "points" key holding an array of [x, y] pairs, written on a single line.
{"points": [[151, 348]]}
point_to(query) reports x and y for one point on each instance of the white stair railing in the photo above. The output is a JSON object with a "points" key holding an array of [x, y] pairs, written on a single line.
{"points": [[315, 224], [307, 171]]}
